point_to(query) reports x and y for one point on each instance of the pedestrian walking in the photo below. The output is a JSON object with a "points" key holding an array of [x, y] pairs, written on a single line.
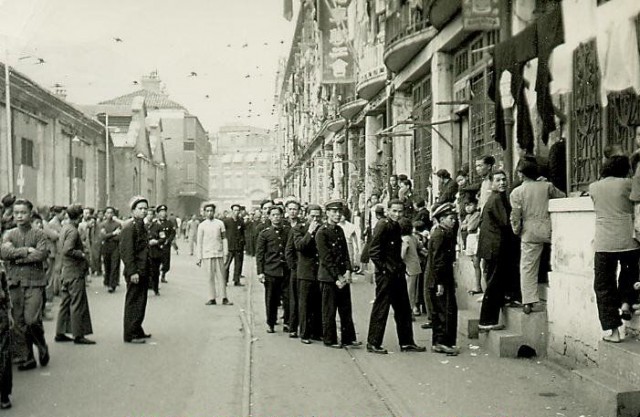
{"points": [[24, 251], [213, 250], [271, 264], [134, 252], [234, 229], [192, 233], [110, 233], [303, 237], [334, 275], [391, 286], [440, 280], [73, 316]]}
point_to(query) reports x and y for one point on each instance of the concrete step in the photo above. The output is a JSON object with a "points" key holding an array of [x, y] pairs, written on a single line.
{"points": [[502, 343], [609, 395], [621, 360], [532, 327], [468, 323]]}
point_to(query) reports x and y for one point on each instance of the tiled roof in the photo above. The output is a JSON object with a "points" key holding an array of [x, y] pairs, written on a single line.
{"points": [[152, 99]]}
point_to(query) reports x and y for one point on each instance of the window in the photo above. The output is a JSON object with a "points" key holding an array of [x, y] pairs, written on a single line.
{"points": [[26, 152], [189, 146], [78, 168], [422, 147]]}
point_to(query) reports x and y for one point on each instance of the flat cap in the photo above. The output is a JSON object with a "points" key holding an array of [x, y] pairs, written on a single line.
{"points": [[443, 210], [335, 204], [379, 209], [160, 208], [137, 199]]}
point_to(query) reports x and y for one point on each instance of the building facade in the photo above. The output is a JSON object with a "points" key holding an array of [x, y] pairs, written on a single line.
{"points": [[59, 154], [243, 167]]}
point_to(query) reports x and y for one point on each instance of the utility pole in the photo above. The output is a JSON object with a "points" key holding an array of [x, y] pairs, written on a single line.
{"points": [[505, 33], [7, 92]]}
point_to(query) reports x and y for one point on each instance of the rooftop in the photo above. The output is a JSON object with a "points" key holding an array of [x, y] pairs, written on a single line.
{"points": [[153, 100]]}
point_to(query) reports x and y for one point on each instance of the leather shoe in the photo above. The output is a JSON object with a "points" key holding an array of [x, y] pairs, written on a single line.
{"points": [[83, 341], [355, 343], [527, 308], [62, 338], [270, 329], [426, 325], [444, 349], [376, 349], [412, 348], [285, 328], [28, 365], [306, 341], [210, 303], [293, 335], [238, 284], [144, 336], [334, 346], [226, 302], [43, 355], [5, 405], [136, 341]]}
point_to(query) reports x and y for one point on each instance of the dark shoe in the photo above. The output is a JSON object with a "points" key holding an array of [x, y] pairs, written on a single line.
{"points": [[28, 365], [83, 341], [157, 292], [306, 341], [293, 335], [112, 289], [285, 328], [238, 284], [334, 345], [43, 355], [444, 349], [5, 404], [412, 348], [270, 329], [163, 280], [226, 302], [376, 349], [527, 308], [144, 336], [136, 341], [62, 338], [210, 303], [426, 325], [355, 343], [488, 327]]}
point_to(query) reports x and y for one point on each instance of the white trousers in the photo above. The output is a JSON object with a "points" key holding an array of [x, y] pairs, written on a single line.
{"points": [[216, 277]]}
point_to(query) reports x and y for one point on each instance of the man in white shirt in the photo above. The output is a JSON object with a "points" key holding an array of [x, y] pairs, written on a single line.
{"points": [[213, 249]]}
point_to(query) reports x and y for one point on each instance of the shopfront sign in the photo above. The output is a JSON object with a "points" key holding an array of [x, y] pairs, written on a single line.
{"points": [[337, 59], [481, 15]]}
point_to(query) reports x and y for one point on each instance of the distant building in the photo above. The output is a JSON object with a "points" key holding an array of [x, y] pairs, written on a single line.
{"points": [[184, 144], [242, 167]]}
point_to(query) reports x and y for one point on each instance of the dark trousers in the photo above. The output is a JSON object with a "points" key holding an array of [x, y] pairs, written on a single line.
{"points": [[111, 261], [154, 273], [74, 316], [165, 259], [337, 300], [494, 292], [445, 317], [310, 309], [391, 291], [273, 292], [135, 306], [285, 300], [611, 294], [293, 303], [27, 316], [237, 256], [6, 371]]}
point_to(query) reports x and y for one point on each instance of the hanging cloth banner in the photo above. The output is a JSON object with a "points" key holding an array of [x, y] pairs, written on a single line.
{"points": [[481, 15], [287, 9], [337, 59]]}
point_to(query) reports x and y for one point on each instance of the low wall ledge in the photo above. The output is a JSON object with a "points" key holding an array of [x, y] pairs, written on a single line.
{"points": [[572, 204]]}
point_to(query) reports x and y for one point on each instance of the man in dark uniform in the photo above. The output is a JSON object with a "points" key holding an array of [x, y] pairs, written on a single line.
{"points": [[134, 252], [271, 263], [293, 208], [303, 240], [334, 274], [161, 234], [264, 221], [234, 230], [391, 285], [110, 234]]}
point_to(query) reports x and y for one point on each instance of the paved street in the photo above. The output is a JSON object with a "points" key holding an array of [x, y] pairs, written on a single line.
{"points": [[195, 366]]}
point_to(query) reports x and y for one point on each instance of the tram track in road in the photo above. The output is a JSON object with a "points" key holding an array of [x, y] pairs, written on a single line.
{"points": [[246, 315]]}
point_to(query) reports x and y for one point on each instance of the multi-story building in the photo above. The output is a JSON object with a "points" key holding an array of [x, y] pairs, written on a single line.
{"points": [[57, 154], [436, 107], [185, 144], [243, 167]]}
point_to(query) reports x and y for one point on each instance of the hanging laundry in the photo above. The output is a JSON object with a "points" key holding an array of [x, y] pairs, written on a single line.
{"points": [[619, 57]]}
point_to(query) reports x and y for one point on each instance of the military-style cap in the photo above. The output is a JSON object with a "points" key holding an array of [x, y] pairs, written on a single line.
{"points": [[443, 210], [160, 208], [379, 209], [335, 204], [137, 199]]}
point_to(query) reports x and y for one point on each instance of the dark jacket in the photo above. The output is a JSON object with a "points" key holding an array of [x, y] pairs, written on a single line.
{"points": [[270, 251], [448, 192], [164, 232], [74, 261], [307, 252], [23, 268], [496, 236], [234, 230], [386, 248], [440, 258], [109, 240], [333, 253], [290, 251], [134, 248]]}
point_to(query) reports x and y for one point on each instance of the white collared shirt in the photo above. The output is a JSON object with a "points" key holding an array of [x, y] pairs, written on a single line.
{"points": [[211, 239]]}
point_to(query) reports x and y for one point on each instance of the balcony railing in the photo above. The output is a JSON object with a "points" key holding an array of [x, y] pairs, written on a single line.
{"points": [[399, 27], [370, 62]]}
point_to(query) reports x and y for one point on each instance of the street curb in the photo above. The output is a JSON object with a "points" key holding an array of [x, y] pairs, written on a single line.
{"points": [[247, 323]]}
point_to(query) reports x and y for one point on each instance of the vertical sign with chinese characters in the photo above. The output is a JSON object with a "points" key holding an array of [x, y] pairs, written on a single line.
{"points": [[481, 15], [337, 60]]}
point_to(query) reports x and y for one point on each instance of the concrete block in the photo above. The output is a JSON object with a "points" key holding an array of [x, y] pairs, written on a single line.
{"points": [[621, 360], [532, 327], [468, 323], [501, 343], [607, 394]]}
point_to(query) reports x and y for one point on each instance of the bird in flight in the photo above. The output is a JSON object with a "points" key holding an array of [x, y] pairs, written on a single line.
{"points": [[244, 45], [193, 74], [118, 39], [206, 96], [135, 82], [41, 61]]}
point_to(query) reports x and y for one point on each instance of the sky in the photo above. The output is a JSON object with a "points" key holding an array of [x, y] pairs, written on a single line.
{"points": [[232, 45]]}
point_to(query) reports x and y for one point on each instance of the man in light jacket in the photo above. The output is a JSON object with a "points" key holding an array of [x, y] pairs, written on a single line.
{"points": [[213, 249]]}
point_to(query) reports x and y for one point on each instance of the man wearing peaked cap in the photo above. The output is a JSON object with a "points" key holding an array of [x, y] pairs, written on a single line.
{"points": [[443, 210], [336, 204], [161, 235]]}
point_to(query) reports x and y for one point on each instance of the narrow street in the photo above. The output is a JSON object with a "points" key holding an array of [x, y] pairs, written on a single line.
{"points": [[196, 365]]}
